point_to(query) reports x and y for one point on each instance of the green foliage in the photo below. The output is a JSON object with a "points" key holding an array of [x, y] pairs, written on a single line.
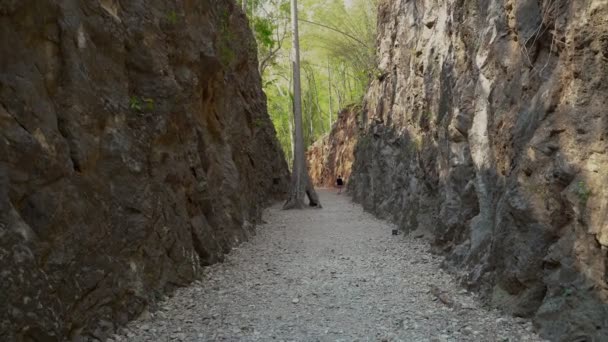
{"points": [[280, 110], [149, 103], [264, 29], [139, 104], [135, 103], [337, 57], [354, 46], [269, 24]]}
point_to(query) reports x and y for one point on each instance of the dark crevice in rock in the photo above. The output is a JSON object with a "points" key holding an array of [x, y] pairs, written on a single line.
{"points": [[62, 129]]}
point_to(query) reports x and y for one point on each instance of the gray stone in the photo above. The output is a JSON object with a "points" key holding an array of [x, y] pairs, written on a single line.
{"points": [[502, 161], [394, 306]]}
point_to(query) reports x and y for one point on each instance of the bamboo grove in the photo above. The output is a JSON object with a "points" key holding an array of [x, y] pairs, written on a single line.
{"points": [[337, 40]]}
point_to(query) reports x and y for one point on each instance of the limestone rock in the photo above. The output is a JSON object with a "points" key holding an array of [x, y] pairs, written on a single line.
{"points": [[135, 148], [489, 131], [332, 155]]}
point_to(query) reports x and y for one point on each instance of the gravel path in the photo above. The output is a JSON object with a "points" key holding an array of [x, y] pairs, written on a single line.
{"points": [[335, 274]]}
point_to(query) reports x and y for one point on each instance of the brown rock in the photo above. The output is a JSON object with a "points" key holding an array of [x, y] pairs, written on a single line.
{"points": [[442, 296], [135, 148], [332, 155]]}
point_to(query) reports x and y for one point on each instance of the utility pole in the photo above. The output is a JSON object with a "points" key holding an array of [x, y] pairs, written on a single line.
{"points": [[300, 180]]}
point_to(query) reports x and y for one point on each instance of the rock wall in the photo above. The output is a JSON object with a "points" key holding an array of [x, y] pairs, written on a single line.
{"points": [[135, 148], [487, 131], [333, 155]]}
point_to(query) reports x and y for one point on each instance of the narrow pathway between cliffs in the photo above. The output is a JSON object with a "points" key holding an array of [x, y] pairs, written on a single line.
{"points": [[335, 274]]}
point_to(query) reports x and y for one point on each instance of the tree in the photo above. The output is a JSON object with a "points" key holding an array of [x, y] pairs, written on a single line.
{"points": [[337, 54], [300, 180], [270, 28]]}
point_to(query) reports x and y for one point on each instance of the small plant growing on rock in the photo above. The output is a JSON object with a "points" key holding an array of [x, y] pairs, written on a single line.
{"points": [[583, 192], [135, 103], [138, 104], [149, 103]]}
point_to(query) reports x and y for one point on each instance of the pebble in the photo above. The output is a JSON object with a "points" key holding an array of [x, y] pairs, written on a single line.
{"points": [[360, 283]]}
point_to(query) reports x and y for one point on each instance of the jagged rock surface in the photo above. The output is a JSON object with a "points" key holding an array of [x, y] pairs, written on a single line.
{"points": [[135, 147], [487, 131], [333, 155]]}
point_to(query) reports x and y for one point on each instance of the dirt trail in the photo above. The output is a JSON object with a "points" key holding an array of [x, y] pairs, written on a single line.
{"points": [[335, 274]]}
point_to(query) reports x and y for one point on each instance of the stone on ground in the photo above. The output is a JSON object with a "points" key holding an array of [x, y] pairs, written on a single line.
{"points": [[336, 274]]}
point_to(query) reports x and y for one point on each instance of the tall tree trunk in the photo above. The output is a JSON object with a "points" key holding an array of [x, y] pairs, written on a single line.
{"points": [[292, 121], [245, 6], [300, 180]]}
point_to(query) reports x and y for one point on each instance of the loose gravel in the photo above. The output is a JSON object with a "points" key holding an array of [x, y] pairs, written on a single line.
{"points": [[335, 274]]}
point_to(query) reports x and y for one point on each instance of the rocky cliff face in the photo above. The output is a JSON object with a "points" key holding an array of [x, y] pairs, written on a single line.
{"points": [[487, 131], [332, 155], [135, 148]]}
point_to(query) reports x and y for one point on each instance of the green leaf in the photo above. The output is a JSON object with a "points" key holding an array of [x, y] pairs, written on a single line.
{"points": [[134, 103], [149, 103], [264, 30]]}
